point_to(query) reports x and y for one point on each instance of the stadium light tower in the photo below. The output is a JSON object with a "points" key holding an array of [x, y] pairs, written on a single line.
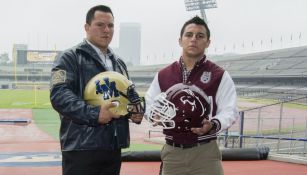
{"points": [[192, 5]]}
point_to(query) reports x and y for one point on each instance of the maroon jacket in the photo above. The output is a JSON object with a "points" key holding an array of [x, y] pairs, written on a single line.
{"points": [[206, 77]]}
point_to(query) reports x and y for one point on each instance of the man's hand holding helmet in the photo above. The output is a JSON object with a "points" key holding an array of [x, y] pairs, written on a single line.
{"points": [[207, 127], [136, 118], [155, 120], [105, 115]]}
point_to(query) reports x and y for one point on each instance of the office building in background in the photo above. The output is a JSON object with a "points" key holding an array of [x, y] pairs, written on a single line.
{"points": [[130, 43]]}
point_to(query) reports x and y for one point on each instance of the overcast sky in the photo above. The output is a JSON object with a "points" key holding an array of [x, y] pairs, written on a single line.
{"points": [[238, 26]]}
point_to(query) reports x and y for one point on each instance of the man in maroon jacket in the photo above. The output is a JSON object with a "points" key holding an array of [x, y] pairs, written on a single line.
{"points": [[198, 101]]}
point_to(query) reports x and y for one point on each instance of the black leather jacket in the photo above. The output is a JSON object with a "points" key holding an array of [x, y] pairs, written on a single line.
{"points": [[79, 121]]}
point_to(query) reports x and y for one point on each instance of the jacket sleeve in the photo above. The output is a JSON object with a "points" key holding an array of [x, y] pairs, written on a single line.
{"points": [[151, 93], [226, 101], [65, 89]]}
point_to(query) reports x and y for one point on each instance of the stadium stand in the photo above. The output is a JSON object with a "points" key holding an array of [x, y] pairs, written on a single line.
{"points": [[274, 74], [258, 74]]}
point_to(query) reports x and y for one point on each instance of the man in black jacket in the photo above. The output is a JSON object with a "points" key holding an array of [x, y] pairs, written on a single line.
{"points": [[91, 136]]}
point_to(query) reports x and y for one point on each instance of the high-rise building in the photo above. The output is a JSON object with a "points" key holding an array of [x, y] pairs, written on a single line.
{"points": [[16, 49], [130, 43]]}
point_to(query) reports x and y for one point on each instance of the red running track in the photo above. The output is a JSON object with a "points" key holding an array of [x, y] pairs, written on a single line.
{"points": [[262, 167]]}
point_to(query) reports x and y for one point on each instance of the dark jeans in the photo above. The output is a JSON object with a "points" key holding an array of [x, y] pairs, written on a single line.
{"points": [[98, 162]]}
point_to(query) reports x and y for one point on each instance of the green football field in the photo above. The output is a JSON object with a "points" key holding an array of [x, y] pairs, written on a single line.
{"points": [[44, 116]]}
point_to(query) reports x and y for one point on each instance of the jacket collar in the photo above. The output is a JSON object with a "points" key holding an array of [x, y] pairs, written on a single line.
{"points": [[202, 60], [85, 47]]}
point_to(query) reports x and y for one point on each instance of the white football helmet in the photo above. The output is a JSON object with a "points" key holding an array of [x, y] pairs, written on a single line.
{"points": [[162, 112]]}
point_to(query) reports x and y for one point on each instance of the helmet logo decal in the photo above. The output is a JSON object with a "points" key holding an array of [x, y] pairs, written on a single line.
{"points": [[190, 98], [107, 90], [205, 77]]}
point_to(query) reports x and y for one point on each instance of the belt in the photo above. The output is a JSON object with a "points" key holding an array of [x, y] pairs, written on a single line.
{"points": [[184, 146]]}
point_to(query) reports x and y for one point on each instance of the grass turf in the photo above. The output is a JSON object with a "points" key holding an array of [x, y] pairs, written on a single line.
{"points": [[44, 116], [48, 121]]}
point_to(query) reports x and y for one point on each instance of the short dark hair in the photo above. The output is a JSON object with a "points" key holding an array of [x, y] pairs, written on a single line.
{"points": [[196, 20], [90, 14]]}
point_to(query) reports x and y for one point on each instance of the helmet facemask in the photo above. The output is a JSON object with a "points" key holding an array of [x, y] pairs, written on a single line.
{"points": [[162, 112], [136, 103]]}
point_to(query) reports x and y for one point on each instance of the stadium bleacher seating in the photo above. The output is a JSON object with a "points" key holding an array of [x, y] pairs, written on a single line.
{"points": [[271, 72]]}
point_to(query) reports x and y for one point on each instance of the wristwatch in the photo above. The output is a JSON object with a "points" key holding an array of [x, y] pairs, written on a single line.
{"points": [[213, 124]]}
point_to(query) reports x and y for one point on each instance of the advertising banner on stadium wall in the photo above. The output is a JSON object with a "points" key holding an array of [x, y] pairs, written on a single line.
{"points": [[36, 56]]}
